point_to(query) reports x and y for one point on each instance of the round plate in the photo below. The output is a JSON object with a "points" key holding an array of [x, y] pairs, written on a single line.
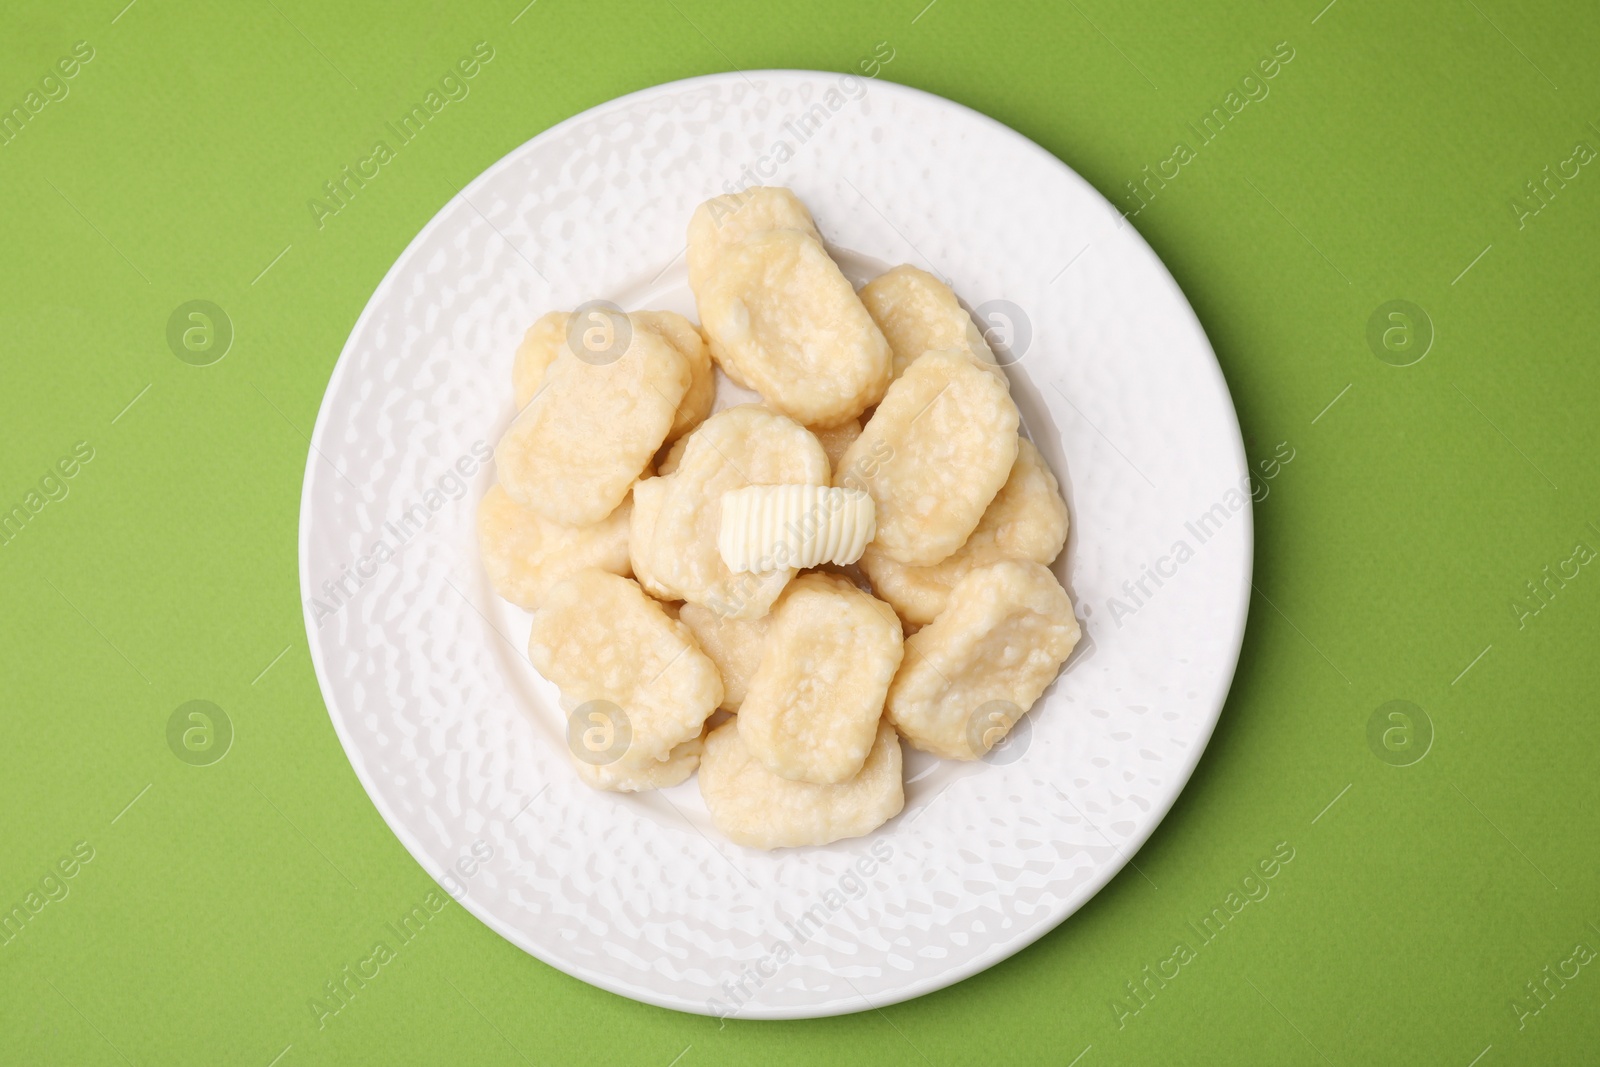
{"points": [[461, 745]]}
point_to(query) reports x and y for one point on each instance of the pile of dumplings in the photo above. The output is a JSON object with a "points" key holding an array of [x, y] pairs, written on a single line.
{"points": [[789, 690]]}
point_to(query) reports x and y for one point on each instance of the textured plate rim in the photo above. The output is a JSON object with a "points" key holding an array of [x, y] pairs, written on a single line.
{"points": [[1000, 950]]}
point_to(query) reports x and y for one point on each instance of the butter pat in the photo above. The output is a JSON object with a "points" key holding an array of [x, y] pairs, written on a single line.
{"points": [[772, 527]]}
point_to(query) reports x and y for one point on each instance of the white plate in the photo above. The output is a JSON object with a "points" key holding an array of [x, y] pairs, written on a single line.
{"points": [[460, 744]]}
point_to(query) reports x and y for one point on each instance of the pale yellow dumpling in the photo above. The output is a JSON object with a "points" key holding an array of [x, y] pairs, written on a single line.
{"points": [[618, 777], [549, 337], [724, 221], [1026, 520], [683, 335], [541, 344], [525, 553], [677, 517], [607, 645], [918, 313], [591, 429], [977, 668], [813, 705], [734, 645], [778, 314], [754, 807], [933, 456]]}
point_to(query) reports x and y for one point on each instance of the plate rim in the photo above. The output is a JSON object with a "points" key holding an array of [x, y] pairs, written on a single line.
{"points": [[999, 951]]}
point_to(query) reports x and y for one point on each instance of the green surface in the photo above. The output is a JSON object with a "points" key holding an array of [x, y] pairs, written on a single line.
{"points": [[1388, 155]]}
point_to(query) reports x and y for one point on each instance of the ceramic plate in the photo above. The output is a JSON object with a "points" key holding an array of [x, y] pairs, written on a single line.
{"points": [[461, 745]]}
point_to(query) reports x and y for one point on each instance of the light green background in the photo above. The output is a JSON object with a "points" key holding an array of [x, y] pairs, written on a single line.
{"points": [[1390, 550]]}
